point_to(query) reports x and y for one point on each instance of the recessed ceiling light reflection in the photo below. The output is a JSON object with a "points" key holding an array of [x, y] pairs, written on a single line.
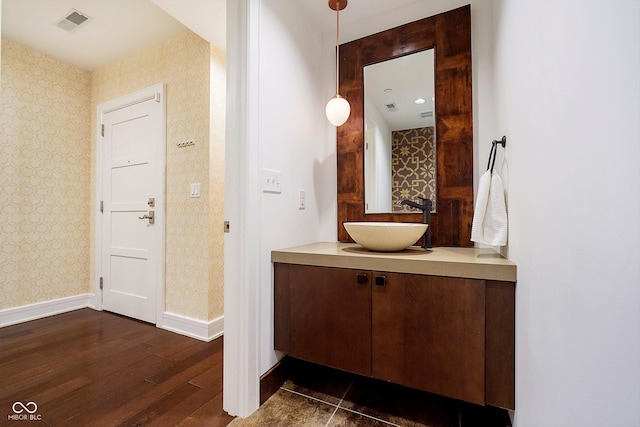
{"points": [[420, 101]]}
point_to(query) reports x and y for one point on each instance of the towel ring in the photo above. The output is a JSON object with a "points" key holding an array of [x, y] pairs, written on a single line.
{"points": [[494, 151], [502, 142], [492, 155]]}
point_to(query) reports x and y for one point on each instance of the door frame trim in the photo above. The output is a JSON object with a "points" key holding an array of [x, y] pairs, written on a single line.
{"points": [[242, 261], [103, 108]]}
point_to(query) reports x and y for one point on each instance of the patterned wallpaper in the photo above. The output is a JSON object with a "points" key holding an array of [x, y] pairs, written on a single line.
{"points": [[45, 155], [47, 171], [216, 182], [194, 267], [413, 164]]}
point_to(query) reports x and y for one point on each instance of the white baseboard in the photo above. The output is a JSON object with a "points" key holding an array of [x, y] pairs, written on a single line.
{"points": [[194, 328], [25, 313]]}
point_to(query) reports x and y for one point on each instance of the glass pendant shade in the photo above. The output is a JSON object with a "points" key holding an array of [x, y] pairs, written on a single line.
{"points": [[338, 110]]}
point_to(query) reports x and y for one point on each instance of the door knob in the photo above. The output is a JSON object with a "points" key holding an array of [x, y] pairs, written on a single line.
{"points": [[150, 216]]}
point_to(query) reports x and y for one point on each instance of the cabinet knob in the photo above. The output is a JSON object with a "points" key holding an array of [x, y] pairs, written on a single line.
{"points": [[362, 278], [380, 281]]}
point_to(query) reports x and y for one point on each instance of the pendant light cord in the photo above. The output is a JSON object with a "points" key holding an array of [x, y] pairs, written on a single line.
{"points": [[337, 45]]}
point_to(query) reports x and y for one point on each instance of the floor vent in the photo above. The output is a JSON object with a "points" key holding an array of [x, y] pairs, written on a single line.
{"points": [[72, 20]]}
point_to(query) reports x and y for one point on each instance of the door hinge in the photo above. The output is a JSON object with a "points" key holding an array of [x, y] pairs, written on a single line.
{"points": [[101, 283], [101, 206], [102, 129]]}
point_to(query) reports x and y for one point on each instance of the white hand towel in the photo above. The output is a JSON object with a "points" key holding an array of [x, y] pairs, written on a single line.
{"points": [[490, 225], [495, 220], [484, 186]]}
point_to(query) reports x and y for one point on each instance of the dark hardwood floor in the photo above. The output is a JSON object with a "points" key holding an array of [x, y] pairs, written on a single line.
{"points": [[96, 368]]}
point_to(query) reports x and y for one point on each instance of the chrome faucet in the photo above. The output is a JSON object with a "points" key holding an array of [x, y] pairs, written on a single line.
{"points": [[425, 207]]}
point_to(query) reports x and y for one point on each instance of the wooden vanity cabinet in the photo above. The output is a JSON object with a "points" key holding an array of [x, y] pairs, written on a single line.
{"points": [[449, 336], [428, 333], [328, 316]]}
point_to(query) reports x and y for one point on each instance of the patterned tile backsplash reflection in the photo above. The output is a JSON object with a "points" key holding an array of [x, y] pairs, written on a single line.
{"points": [[413, 162]]}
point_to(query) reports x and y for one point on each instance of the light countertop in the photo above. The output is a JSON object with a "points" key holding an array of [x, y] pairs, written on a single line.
{"points": [[471, 263]]}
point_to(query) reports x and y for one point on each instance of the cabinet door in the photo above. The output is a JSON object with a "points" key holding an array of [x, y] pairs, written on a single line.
{"points": [[428, 333], [330, 317]]}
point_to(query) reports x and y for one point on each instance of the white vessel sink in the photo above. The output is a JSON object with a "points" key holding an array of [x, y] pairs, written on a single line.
{"points": [[385, 236]]}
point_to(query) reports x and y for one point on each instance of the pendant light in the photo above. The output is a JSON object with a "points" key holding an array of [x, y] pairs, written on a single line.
{"points": [[338, 108]]}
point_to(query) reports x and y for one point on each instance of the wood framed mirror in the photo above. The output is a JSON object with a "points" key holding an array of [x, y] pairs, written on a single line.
{"points": [[449, 34]]}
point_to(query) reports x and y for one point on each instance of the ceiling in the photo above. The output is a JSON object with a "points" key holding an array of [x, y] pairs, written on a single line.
{"points": [[120, 27], [116, 28], [358, 16]]}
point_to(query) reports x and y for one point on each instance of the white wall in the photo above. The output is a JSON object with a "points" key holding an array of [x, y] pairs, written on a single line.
{"points": [[568, 99], [296, 139], [384, 177], [377, 161]]}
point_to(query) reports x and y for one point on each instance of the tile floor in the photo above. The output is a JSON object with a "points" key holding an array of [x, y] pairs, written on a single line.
{"points": [[318, 396]]}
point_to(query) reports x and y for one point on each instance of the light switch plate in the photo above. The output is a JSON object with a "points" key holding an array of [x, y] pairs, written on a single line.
{"points": [[302, 203], [271, 181], [194, 190]]}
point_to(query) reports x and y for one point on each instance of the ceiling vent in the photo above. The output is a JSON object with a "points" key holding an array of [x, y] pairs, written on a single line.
{"points": [[425, 114], [72, 20], [392, 106]]}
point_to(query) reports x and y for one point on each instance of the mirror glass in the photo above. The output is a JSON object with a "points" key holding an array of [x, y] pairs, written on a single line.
{"points": [[400, 140]]}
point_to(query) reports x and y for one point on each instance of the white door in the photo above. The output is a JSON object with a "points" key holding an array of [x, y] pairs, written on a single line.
{"points": [[132, 190]]}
